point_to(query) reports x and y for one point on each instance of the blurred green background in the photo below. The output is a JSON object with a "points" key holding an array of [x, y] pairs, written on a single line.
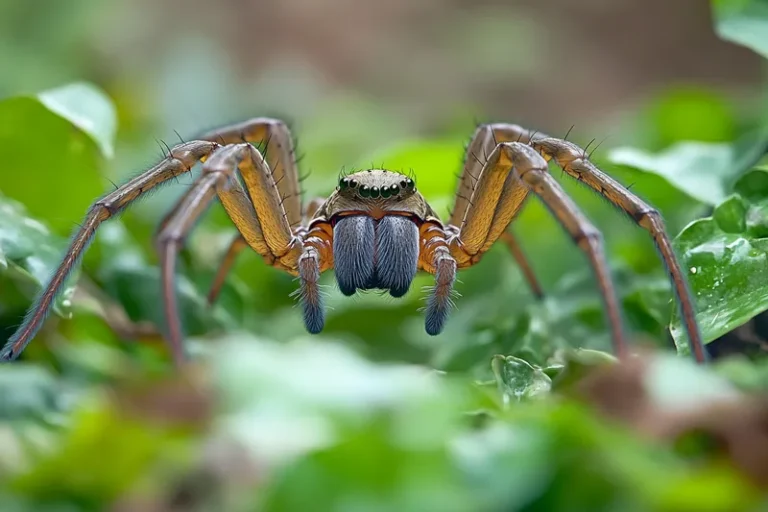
{"points": [[95, 90]]}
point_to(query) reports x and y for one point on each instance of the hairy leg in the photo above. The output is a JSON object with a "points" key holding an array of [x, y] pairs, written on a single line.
{"points": [[516, 165], [575, 162], [180, 159], [482, 144]]}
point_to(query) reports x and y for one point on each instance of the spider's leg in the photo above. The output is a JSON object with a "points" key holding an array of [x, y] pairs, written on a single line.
{"points": [[180, 159], [483, 142], [273, 137], [236, 246], [573, 160], [220, 177], [514, 168], [169, 242], [525, 267]]}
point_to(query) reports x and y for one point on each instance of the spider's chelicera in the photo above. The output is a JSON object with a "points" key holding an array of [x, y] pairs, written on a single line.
{"points": [[375, 231]]}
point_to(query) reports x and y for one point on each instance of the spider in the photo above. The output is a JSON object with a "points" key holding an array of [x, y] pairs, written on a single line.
{"points": [[375, 230]]}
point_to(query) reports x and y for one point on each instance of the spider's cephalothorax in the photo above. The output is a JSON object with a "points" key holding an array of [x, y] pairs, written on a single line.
{"points": [[375, 230], [376, 216]]}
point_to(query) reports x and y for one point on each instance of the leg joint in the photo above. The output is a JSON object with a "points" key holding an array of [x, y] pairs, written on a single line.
{"points": [[588, 235]]}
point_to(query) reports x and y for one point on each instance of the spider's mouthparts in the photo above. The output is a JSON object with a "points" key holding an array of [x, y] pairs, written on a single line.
{"points": [[375, 254]]}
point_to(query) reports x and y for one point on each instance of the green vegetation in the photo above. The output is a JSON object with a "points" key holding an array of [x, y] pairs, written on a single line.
{"points": [[500, 412]]}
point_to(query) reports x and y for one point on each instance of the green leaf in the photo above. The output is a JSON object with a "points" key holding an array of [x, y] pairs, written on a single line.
{"points": [[29, 252], [28, 392], [676, 383], [517, 379], [743, 22], [54, 146], [726, 258], [704, 171], [86, 107]]}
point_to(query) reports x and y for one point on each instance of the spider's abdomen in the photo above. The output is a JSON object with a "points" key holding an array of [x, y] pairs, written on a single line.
{"points": [[375, 254]]}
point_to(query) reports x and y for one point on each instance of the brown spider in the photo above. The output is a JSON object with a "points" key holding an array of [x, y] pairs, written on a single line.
{"points": [[375, 230]]}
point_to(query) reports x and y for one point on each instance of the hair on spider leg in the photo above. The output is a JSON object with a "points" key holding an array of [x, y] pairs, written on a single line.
{"points": [[586, 149], [565, 137], [303, 177], [597, 147], [298, 159], [112, 182]]}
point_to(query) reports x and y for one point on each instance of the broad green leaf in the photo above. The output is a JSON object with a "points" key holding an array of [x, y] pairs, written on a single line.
{"points": [[704, 171], [87, 108], [29, 252], [743, 22], [725, 257], [54, 147]]}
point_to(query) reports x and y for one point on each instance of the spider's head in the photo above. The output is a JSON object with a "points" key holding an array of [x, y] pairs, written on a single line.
{"points": [[376, 215], [376, 192], [376, 185]]}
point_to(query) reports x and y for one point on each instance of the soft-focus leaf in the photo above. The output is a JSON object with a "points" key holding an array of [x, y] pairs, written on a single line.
{"points": [[704, 171], [55, 144], [690, 114], [675, 383], [29, 253], [726, 260], [517, 379], [743, 22], [28, 392], [87, 108]]}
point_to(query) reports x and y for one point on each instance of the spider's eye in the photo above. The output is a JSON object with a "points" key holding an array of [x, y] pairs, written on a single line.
{"points": [[352, 184], [343, 183], [407, 184], [403, 184], [386, 192], [374, 192], [365, 191]]}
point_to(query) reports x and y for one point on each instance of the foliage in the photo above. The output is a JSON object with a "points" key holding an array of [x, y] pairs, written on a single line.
{"points": [[501, 412]]}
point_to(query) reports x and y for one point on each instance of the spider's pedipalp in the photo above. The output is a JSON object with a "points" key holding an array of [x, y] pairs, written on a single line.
{"points": [[353, 253], [439, 301], [397, 254], [310, 298]]}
